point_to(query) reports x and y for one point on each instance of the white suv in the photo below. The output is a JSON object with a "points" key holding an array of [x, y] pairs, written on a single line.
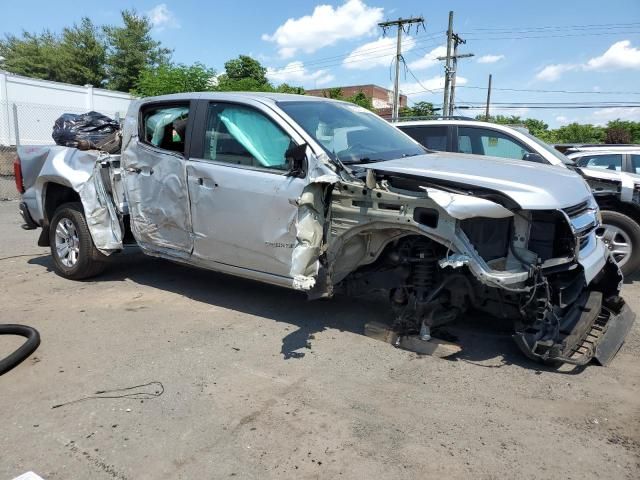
{"points": [[617, 192]]}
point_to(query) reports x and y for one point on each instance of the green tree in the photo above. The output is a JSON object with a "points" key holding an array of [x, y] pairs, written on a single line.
{"points": [[33, 55], [633, 128], [244, 74], [613, 135], [166, 79], [130, 50], [286, 88], [360, 99], [245, 67], [419, 109], [579, 133], [83, 54]]}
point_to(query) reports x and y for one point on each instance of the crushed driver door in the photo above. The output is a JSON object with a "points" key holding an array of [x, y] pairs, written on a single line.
{"points": [[155, 178]]}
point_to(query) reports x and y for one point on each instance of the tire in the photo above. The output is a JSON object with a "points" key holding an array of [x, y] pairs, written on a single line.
{"points": [[81, 259], [617, 230], [22, 353]]}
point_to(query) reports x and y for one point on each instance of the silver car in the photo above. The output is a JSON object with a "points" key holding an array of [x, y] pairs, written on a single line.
{"points": [[325, 197]]}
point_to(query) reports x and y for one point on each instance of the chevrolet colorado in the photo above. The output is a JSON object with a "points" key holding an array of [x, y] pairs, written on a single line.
{"points": [[323, 196]]}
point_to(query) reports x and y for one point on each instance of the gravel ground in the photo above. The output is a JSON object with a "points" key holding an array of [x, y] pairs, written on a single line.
{"points": [[259, 383]]}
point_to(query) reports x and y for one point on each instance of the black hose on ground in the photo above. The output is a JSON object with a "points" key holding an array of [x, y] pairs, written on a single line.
{"points": [[21, 354]]}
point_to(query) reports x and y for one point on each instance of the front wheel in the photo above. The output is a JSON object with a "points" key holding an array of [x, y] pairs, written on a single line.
{"points": [[74, 255], [621, 235]]}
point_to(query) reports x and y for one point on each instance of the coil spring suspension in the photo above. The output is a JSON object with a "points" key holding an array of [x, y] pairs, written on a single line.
{"points": [[424, 271]]}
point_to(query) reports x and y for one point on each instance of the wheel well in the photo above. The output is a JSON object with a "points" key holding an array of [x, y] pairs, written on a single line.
{"points": [[54, 196], [631, 210]]}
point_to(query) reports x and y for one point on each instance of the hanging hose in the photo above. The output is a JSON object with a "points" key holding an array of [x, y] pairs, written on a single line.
{"points": [[22, 353]]}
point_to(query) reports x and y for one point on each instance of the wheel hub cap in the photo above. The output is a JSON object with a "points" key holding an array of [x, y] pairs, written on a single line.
{"points": [[617, 241], [67, 242]]}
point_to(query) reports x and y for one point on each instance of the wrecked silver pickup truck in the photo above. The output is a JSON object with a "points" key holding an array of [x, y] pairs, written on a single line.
{"points": [[325, 197]]}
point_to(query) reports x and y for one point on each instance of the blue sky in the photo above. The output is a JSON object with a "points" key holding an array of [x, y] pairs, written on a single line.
{"points": [[587, 46]]}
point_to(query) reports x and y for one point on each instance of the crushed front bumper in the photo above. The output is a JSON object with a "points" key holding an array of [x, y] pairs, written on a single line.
{"points": [[593, 327]]}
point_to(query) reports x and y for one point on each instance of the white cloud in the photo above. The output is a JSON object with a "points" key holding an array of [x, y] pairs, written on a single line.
{"points": [[325, 26], [604, 115], [378, 53], [296, 73], [554, 72], [619, 55], [434, 83], [562, 120], [490, 58], [161, 17], [430, 59]]}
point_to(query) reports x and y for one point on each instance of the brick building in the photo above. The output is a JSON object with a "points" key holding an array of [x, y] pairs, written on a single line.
{"points": [[381, 98]]}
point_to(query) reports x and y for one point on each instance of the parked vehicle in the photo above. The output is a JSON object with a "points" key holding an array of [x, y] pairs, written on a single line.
{"points": [[619, 158], [617, 193], [323, 196]]}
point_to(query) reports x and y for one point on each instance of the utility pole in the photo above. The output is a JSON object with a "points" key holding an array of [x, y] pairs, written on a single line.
{"points": [[401, 24], [486, 113], [451, 68], [447, 67], [457, 40]]}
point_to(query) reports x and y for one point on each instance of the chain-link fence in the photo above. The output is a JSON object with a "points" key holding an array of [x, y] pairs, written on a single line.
{"points": [[26, 124]]}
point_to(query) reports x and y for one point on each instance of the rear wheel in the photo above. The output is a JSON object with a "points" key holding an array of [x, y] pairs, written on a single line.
{"points": [[621, 235], [74, 255]]}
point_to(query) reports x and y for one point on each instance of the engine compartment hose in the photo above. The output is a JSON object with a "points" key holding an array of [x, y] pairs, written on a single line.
{"points": [[22, 353]]}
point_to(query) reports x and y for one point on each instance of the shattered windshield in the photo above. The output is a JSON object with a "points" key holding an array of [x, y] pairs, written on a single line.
{"points": [[349, 133]]}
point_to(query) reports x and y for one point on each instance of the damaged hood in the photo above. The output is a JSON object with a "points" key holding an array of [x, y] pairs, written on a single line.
{"points": [[533, 186]]}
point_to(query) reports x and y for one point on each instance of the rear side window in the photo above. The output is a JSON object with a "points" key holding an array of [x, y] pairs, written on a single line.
{"points": [[606, 162], [165, 126], [483, 141], [635, 163], [434, 138]]}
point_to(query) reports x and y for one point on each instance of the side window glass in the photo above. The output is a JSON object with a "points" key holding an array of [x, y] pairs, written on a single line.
{"points": [[635, 163], [481, 141], [243, 136], [464, 144], [605, 162], [434, 138], [165, 127]]}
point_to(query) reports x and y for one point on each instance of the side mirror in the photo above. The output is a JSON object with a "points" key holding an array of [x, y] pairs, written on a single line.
{"points": [[296, 157], [534, 157]]}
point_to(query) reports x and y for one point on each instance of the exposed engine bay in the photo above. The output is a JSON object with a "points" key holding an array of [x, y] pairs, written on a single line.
{"points": [[520, 265]]}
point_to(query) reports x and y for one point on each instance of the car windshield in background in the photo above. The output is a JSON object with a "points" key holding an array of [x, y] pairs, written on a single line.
{"points": [[350, 133], [549, 148]]}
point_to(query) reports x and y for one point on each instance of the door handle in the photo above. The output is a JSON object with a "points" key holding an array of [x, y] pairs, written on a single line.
{"points": [[138, 170], [205, 182]]}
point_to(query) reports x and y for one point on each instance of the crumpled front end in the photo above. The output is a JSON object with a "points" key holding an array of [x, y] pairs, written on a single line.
{"points": [[439, 251]]}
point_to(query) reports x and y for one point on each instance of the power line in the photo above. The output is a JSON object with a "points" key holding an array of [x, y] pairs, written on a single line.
{"points": [[559, 27], [534, 90], [415, 43], [554, 107], [593, 34]]}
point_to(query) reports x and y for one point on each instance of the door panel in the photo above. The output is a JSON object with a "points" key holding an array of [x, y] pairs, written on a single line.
{"points": [[243, 217], [243, 205], [155, 179]]}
